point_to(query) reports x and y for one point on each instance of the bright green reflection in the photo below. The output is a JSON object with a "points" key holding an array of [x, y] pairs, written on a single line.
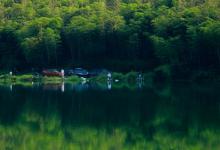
{"points": [[177, 117]]}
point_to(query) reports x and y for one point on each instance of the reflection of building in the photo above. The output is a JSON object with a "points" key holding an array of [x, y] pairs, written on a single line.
{"points": [[53, 86]]}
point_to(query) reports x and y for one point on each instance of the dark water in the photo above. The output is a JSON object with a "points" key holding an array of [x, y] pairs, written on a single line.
{"points": [[180, 116]]}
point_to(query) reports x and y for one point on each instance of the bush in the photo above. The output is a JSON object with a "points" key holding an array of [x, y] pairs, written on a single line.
{"points": [[101, 78], [52, 79], [24, 78], [162, 73], [131, 77], [118, 76], [73, 79], [7, 78]]}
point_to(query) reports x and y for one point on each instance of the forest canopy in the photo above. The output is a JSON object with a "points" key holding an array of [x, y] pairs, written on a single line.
{"points": [[119, 34]]}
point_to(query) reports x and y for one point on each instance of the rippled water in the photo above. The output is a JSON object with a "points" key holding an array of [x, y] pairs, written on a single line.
{"points": [[180, 116]]}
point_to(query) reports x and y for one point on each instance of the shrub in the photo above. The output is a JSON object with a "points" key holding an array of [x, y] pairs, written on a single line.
{"points": [[162, 73], [24, 78], [73, 79], [52, 79], [131, 77], [118, 76]]}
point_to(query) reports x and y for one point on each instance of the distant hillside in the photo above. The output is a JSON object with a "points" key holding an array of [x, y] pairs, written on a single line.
{"points": [[122, 34]]}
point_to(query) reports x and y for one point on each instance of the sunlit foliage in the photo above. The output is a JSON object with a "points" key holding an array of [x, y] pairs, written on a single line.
{"points": [[150, 33]]}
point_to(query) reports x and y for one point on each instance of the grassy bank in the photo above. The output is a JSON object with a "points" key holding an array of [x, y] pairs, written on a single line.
{"points": [[29, 78], [119, 80], [161, 75]]}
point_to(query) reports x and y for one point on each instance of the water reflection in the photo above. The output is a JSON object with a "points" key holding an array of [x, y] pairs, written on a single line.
{"points": [[88, 116], [63, 87], [11, 87], [82, 86], [109, 84]]}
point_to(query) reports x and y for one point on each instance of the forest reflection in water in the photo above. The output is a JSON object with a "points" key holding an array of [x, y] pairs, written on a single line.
{"points": [[64, 116]]}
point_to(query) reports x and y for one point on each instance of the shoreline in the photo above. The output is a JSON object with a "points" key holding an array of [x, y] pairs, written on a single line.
{"points": [[130, 77]]}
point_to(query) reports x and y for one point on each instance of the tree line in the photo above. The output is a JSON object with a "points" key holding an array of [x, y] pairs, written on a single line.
{"points": [[117, 34]]}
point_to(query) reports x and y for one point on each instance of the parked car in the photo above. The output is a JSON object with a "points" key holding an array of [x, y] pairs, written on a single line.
{"points": [[69, 72], [52, 73], [97, 72], [36, 71], [80, 72]]}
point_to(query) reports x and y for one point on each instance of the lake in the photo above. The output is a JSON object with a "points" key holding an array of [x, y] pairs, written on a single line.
{"points": [[177, 116]]}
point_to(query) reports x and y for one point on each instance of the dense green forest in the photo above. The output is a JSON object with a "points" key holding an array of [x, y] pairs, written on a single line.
{"points": [[116, 34]]}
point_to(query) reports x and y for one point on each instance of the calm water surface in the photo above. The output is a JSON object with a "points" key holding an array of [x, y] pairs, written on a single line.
{"points": [[179, 116]]}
